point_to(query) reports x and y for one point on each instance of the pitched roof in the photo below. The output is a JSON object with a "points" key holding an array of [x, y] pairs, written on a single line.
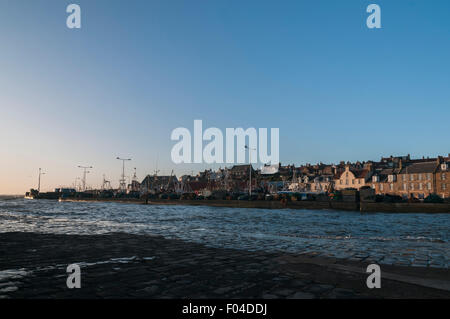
{"points": [[360, 173], [384, 173], [421, 167], [338, 175], [240, 168]]}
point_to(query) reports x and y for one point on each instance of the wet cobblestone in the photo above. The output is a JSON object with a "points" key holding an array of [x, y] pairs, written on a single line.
{"points": [[141, 266]]}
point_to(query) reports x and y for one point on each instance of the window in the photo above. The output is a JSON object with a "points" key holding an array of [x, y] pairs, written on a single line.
{"points": [[420, 177], [391, 187], [373, 186], [405, 187], [346, 182], [444, 187], [404, 177], [341, 181], [381, 187], [353, 181], [428, 175], [420, 186], [443, 176], [429, 186], [411, 177], [412, 186]]}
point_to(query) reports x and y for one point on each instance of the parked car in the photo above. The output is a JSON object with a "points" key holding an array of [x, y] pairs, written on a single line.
{"points": [[244, 197], [392, 199], [433, 198]]}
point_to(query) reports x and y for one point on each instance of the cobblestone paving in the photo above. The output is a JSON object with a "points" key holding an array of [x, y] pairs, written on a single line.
{"points": [[141, 266]]}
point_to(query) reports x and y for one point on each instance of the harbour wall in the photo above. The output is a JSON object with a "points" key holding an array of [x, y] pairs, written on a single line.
{"points": [[370, 207]]}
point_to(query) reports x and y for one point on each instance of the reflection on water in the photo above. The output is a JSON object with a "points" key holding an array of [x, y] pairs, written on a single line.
{"points": [[407, 239]]}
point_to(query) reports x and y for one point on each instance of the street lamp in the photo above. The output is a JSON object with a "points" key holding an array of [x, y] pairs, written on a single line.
{"points": [[85, 171], [122, 184], [250, 161], [39, 179]]}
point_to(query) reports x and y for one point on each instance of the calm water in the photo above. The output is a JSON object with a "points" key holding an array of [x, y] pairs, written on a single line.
{"points": [[405, 239]]}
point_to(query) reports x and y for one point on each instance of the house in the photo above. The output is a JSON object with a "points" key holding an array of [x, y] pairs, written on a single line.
{"points": [[322, 183], [286, 171], [384, 181], [155, 183], [393, 161], [201, 187], [352, 178], [442, 177], [269, 169], [239, 172], [417, 179]]}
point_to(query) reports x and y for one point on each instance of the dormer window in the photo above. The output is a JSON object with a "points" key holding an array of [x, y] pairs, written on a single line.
{"points": [[444, 166]]}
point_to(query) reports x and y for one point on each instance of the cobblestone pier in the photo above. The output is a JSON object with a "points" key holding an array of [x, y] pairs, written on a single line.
{"points": [[122, 265]]}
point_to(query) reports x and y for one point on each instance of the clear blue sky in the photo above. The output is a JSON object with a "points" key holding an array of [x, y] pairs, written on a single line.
{"points": [[138, 69]]}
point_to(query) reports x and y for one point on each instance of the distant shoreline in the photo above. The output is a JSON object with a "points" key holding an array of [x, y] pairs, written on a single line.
{"points": [[10, 196]]}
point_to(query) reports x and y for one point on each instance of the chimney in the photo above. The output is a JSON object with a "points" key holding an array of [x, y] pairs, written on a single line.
{"points": [[400, 164]]}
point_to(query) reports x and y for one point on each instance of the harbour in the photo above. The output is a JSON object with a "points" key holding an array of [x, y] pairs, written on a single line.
{"points": [[219, 155], [282, 246], [413, 239]]}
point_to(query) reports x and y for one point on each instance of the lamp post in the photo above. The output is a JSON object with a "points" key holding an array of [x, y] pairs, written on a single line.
{"points": [[250, 161], [85, 171], [122, 182], [39, 179]]}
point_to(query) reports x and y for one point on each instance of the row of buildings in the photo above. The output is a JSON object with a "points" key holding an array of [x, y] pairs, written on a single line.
{"points": [[401, 176]]}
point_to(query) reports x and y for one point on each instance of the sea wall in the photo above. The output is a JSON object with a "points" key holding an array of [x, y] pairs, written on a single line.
{"points": [[406, 207], [337, 205], [263, 204]]}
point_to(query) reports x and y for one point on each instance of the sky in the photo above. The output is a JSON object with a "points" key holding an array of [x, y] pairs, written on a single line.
{"points": [[136, 70]]}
